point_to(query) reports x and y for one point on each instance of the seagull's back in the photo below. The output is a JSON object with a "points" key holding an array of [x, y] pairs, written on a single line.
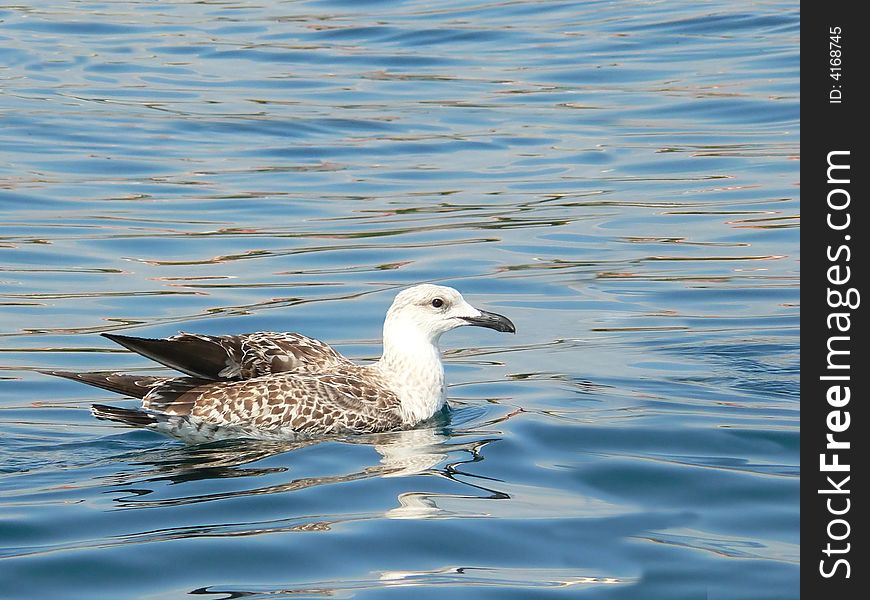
{"points": [[233, 357]]}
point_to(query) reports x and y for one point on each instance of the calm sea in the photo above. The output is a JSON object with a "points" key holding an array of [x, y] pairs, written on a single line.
{"points": [[619, 178]]}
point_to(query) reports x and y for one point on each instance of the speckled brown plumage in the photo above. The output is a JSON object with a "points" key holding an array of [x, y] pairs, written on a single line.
{"points": [[279, 384], [349, 399], [237, 356]]}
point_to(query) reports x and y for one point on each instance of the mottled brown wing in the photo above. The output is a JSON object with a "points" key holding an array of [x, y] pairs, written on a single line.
{"points": [[267, 353], [233, 357], [179, 396], [342, 402]]}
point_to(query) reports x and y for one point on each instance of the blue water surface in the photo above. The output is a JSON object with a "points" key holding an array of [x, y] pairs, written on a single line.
{"points": [[619, 178]]}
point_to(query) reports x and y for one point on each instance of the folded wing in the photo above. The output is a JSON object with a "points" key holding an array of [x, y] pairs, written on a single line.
{"points": [[236, 357]]}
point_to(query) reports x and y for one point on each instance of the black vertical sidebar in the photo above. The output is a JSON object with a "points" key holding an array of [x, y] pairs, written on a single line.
{"points": [[835, 425]]}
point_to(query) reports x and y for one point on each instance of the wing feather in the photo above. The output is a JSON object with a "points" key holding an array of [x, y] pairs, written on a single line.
{"points": [[235, 357]]}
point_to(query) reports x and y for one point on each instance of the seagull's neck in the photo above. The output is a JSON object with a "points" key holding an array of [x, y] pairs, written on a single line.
{"points": [[411, 364]]}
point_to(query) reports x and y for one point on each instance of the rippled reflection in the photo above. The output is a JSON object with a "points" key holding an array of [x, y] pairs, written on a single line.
{"points": [[148, 479], [401, 454]]}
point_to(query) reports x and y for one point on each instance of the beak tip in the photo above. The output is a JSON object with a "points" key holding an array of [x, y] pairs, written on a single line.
{"points": [[494, 321]]}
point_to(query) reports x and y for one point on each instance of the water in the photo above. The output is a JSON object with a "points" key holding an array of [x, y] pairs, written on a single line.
{"points": [[620, 179]]}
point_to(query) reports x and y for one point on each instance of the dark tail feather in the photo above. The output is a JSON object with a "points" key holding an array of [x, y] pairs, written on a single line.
{"points": [[194, 355], [134, 418], [136, 386]]}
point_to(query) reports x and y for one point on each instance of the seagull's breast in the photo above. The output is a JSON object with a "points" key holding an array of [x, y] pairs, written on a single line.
{"points": [[417, 378]]}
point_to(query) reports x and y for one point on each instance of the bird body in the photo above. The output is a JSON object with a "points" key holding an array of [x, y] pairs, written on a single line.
{"points": [[289, 385]]}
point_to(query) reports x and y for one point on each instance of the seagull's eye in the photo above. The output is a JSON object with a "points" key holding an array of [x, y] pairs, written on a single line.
{"points": [[437, 302]]}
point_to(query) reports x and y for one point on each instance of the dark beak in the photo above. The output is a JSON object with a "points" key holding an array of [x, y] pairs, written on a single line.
{"points": [[492, 321]]}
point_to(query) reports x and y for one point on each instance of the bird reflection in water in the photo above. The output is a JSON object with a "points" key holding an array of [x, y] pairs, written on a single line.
{"points": [[440, 450], [419, 451]]}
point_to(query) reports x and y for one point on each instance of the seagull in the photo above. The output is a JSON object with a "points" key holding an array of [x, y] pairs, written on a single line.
{"points": [[289, 386]]}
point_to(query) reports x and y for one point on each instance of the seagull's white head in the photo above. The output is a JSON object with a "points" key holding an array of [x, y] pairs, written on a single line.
{"points": [[411, 362], [431, 310]]}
